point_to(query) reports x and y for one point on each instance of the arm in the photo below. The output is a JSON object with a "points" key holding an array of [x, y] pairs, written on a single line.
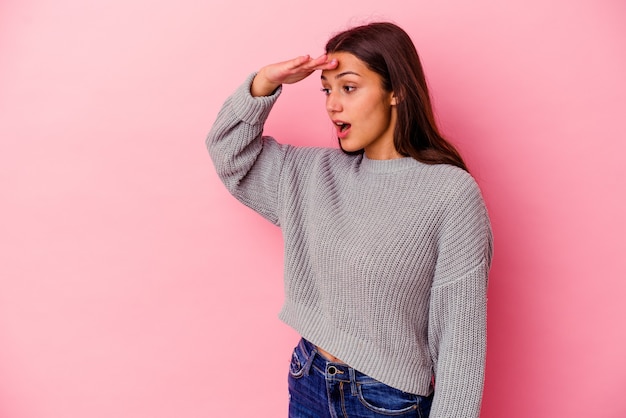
{"points": [[458, 306], [246, 162]]}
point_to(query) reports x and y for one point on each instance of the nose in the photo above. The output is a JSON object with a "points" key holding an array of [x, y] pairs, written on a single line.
{"points": [[333, 103]]}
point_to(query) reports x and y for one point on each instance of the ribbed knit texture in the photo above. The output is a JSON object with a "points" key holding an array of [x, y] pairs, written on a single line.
{"points": [[386, 261]]}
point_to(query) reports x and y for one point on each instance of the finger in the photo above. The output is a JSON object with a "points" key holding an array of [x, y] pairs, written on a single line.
{"points": [[299, 61], [323, 62], [327, 65], [320, 63], [319, 60]]}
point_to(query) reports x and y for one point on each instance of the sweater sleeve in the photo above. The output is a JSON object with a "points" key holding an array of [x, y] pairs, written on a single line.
{"points": [[458, 305], [248, 163]]}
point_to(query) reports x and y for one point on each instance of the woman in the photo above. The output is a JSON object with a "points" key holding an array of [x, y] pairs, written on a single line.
{"points": [[387, 241]]}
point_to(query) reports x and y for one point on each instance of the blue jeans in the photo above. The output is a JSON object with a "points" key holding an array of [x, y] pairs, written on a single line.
{"points": [[319, 388]]}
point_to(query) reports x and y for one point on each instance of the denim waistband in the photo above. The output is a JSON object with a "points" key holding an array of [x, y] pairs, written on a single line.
{"points": [[315, 362]]}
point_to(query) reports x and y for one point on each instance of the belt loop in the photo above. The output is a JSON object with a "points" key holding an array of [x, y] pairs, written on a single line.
{"points": [[309, 362], [352, 381]]}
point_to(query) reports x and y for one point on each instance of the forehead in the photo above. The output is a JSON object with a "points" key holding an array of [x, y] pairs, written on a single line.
{"points": [[348, 63]]}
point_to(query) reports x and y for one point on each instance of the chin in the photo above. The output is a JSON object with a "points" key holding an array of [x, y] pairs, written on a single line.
{"points": [[350, 150]]}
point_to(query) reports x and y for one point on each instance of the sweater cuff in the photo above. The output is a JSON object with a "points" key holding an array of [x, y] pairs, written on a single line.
{"points": [[249, 109]]}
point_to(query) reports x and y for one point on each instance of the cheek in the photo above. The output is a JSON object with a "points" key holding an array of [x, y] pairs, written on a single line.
{"points": [[380, 116]]}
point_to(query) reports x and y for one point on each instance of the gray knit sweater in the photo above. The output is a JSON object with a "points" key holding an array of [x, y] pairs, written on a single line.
{"points": [[386, 261]]}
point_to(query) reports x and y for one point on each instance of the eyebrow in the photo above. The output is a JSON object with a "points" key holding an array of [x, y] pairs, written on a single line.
{"points": [[343, 74]]}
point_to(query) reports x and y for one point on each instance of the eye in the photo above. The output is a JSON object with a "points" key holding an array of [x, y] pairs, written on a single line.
{"points": [[325, 90], [349, 89]]}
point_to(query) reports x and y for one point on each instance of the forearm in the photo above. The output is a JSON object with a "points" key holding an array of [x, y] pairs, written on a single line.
{"points": [[458, 338], [248, 166]]}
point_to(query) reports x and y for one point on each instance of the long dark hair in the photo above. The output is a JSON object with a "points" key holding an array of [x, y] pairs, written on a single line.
{"points": [[388, 50]]}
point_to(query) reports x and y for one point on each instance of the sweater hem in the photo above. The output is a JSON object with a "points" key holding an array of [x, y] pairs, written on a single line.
{"points": [[412, 377]]}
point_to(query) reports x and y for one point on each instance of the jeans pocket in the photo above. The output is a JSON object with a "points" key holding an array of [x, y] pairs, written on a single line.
{"points": [[385, 400], [296, 367]]}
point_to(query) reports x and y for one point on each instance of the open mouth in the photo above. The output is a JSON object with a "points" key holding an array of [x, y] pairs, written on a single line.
{"points": [[342, 128]]}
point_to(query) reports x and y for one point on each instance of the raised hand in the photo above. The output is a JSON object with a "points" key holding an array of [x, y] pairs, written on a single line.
{"points": [[288, 72]]}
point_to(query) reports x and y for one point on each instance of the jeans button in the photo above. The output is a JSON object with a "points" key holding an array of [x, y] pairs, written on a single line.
{"points": [[332, 370]]}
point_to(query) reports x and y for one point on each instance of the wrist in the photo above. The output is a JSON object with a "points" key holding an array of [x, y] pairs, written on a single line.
{"points": [[261, 86]]}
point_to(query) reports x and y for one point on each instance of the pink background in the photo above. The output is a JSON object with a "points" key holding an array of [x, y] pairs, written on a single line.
{"points": [[133, 285]]}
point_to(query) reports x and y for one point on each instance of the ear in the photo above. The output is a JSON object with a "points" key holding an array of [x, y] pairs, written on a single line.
{"points": [[395, 99]]}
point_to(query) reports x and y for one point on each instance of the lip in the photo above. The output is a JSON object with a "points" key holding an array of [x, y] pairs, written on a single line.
{"points": [[341, 134]]}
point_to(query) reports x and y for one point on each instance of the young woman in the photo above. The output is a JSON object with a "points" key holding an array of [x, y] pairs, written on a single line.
{"points": [[387, 241]]}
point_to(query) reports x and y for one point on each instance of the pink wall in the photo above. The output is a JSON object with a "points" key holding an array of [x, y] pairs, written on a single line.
{"points": [[133, 285]]}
